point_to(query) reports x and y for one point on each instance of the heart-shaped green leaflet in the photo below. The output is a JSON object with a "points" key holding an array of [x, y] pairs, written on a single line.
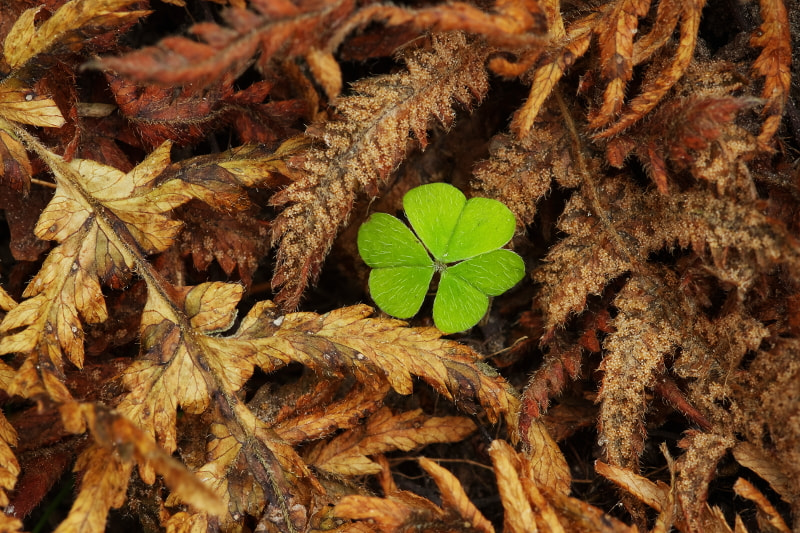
{"points": [[402, 267], [454, 230]]}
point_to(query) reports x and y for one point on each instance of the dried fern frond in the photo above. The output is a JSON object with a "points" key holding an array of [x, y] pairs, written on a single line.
{"points": [[362, 145]]}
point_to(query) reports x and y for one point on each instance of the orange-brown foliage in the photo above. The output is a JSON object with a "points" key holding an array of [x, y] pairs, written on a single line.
{"points": [[180, 311]]}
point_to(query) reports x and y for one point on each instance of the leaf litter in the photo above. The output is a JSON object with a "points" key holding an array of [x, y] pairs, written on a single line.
{"points": [[182, 319]]}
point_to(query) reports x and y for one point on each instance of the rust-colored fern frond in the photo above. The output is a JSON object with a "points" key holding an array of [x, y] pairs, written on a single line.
{"points": [[773, 63], [616, 29], [217, 51], [657, 84]]}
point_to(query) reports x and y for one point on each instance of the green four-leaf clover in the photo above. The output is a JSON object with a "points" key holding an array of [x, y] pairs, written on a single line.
{"points": [[459, 238]]}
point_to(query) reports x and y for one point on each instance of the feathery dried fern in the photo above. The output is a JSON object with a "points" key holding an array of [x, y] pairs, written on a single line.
{"points": [[655, 197]]}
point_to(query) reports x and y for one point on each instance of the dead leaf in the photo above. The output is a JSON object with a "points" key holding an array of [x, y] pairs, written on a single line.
{"points": [[519, 516], [19, 103], [25, 41], [10, 467], [768, 516], [348, 453], [454, 497], [774, 62], [103, 484]]}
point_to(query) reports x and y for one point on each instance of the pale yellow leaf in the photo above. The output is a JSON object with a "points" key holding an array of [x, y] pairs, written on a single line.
{"points": [[157, 389], [62, 289], [21, 104], [88, 215], [519, 517], [63, 216], [83, 183], [211, 307], [143, 175], [181, 366], [24, 314], [222, 452]]}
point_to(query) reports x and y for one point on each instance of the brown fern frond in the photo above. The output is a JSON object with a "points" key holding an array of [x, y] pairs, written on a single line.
{"points": [[520, 172], [616, 29], [272, 30], [588, 258], [693, 129], [592, 254], [754, 391], [562, 363], [767, 395], [657, 85], [217, 51], [362, 146], [571, 46], [697, 466], [647, 329], [667, 16], [654, 320], [615, 25], [511, 23]]}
